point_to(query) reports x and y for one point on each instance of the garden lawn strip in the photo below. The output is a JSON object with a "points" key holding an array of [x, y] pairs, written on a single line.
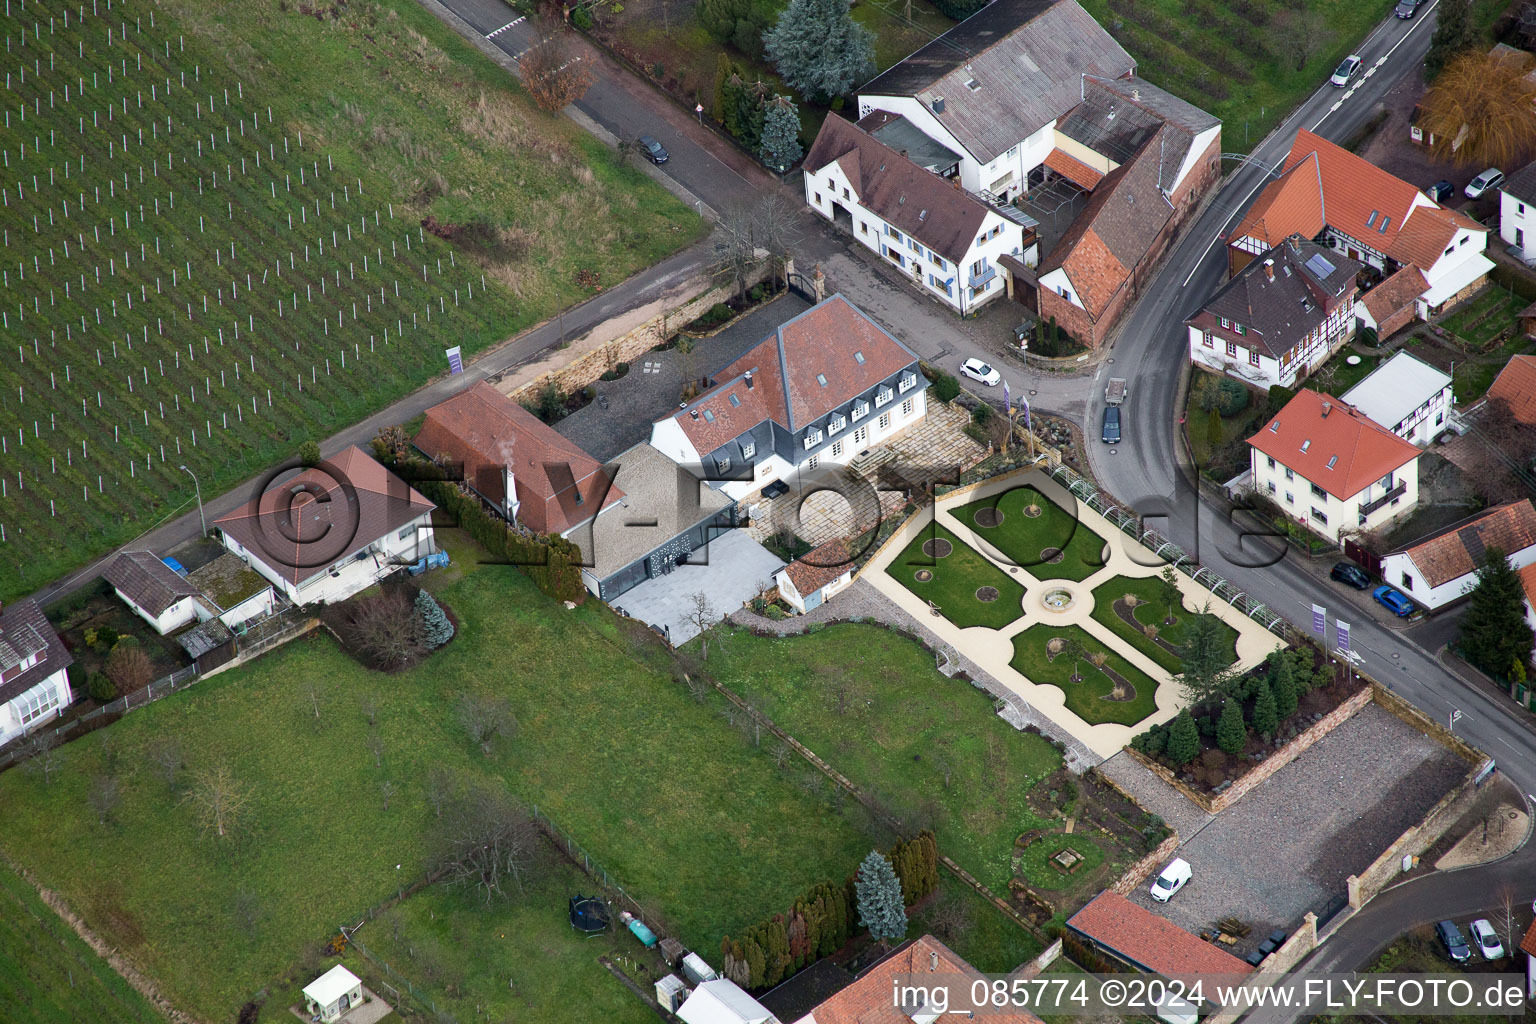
{"points": [[988, 940], [1152, 611], [955, 579], [1023, 538], [1085, 698]]}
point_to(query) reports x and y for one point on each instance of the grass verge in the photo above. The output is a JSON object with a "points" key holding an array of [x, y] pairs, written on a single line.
{"points": [[955, 580]]}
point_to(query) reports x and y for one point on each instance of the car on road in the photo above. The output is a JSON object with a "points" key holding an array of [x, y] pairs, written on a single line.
{"points": [[1406, 8], [1393, 601], [978, 370], [1351, 575], [654, 151], [1347, 69], [1486, 940], [1451, 938], [1111, 432], [1489, 180], [1174, 877], [1440, 191]]}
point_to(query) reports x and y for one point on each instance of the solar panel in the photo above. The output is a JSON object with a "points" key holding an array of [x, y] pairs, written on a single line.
{"points": [[1319, 265]]}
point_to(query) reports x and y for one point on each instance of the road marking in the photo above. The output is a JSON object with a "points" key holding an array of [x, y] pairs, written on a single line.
{"points": [[499, 31], [1411, 30]]}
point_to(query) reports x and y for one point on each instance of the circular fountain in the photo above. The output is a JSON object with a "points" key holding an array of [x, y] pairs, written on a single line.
{"points": [[1057, 599]]}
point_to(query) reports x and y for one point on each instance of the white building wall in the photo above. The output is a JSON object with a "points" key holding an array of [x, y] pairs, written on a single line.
{"points": [[1295, 496], [1517, 225], [1196, 151], [410, 543], [922, 117], [173, 618], [1465, 245], [253, 607], [1057, 281], [668, 438], [1215, 359], [1399, 570], [45, 701]]}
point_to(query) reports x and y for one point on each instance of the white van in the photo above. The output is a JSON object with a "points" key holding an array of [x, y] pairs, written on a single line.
{"points": [[1173, 878]]}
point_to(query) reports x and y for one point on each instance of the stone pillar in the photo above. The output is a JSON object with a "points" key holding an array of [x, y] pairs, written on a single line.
{"points": [[819, 284], [1309, 925], [1352, 883]]}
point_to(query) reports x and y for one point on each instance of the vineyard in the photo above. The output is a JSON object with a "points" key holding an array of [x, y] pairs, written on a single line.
{"points": [[190, 279]]}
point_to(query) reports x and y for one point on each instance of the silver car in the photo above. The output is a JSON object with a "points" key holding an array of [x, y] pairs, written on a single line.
{"points": [[1489, 180], [1486, 940]]}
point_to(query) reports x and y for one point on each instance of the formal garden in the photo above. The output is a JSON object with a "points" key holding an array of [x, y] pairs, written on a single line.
{"points": [[1100, 685], [1036, 534], [967, 589], [1151, 614]]}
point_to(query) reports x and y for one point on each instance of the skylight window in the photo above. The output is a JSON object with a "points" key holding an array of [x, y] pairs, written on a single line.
{"points": [[1306, 444], [858, 357], [973, 85], [709, 417], [1333, 460], [821, 379], [1384, 222], [1370, 221], [734, 400], [1274, 428]]}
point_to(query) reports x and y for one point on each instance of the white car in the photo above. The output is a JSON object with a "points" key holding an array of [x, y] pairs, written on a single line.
{"points": [[1489, 180], [1174, 877], [1486, 939], [1346, 70], [978, 370]]}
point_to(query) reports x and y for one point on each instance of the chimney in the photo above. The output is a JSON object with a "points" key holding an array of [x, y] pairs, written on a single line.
{"points": [[933, 959], [693, 414], [1269, 269], [749, 380], [938, 104], [1327, 408]]}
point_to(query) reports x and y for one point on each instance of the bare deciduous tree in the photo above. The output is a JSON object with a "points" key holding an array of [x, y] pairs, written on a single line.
{"points": [[485, 718], [43, 754], [750, 233], [375, 744], [105, 796], [1480, 111], [218, 799], [950, 917], [129, 668], [441, 787], [554, 77], [486, 839], [164, 755], [384, 629], [1301, 34], [386, 790], [701, 614]]}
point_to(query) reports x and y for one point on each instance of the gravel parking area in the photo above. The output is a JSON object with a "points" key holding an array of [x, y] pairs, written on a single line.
{"points": [[1288, 846]]}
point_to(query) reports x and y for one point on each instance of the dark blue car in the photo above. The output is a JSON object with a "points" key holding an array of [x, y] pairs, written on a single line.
{"points": [[1393, 601]]}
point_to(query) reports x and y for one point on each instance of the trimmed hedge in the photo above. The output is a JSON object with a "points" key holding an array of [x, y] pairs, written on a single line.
{"points": [[552, 562]]}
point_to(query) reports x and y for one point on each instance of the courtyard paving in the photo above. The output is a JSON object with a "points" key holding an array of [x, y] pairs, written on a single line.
{"points": [[735, 568], [1288, 846]]}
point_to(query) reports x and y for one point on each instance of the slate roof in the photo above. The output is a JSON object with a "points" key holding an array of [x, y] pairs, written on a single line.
{"points": [[869, 1001], [1459, 550], [1396, 292], [1116, 118], [826, 341], [1154, 943], [897, 190], [487, 432], [1394, 390], [1278, 312], [24, 631], [299, 527], [1026, 58], [1366, 451], [1522, 184], [819, 566], [1516, 385], [142, 578]]}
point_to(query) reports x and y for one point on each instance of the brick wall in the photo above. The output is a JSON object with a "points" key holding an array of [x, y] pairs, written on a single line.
{"points": [[1139, 872], [1073, 320]]}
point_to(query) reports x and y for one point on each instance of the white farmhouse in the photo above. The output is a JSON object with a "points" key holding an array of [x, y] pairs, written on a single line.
{"points": [[1517, 213], [823, 388], [1443, 568], [1407, 396], [331, 531], [948, 242], [34, 663], [1332, 469]]}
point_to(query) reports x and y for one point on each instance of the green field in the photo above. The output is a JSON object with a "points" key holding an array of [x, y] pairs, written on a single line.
{"points": [[49, 976], [683, 810], [1029, 541], [1087, 698], [955, 580], [1152, 611], [215, 245], [930, 748]]}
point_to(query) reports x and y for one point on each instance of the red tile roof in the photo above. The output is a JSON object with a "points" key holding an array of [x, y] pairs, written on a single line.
{"points": [[828, 340], [1459, 551], [1528, 581], [1328, 428], [1290, 205], [1528, 944], [819, 566], [1396, 292], [1516, 385], [1073, 169], [1354, 188], [1152, 942], [301, 526], [869, 1000], [487, 433]]}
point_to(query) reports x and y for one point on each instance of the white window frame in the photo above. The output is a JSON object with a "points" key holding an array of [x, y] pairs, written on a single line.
{"points": [[748, 449], [41, 703], [812, 438], [906, 408], [723, 463], [907, 383], [884, 423], [860, 410], [883, 396], [836, 423]]}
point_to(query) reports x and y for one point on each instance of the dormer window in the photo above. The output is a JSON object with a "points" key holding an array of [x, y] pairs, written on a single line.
{"points": [[723, 462], [883, 396], [860, 409], [748, 449], [973, 85], [812, 437], [835, 423], [908, 382]]}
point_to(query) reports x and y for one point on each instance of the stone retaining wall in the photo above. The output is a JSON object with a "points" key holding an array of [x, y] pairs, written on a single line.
{"points": [[1271, 764], [1138, 872]]}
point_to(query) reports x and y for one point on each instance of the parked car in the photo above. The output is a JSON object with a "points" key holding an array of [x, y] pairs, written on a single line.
{"points": [[1486, 940], [1174, 877], [1489, 180], [1451, 939], [978, 370], [654, 151], [1351, 575], [1406, 8], [1440, 191], [1347, 69], [1393, 601], [1111, 432]]}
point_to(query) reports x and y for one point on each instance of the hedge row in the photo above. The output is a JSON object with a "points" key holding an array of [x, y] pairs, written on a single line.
{"points": [[552, 562]]}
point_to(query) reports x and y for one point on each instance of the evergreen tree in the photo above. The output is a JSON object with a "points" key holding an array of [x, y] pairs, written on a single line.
{"points": [[309, 453], [818, 49], [781, 134], [1206, 655], [776, 947], [1266, 717], [1283, 685], [757, 962], [879, 899], [1494, 633], [1231, 731], [1454, 33], [1213, 428], [724, 69], [435, 629], [1183, 739]]}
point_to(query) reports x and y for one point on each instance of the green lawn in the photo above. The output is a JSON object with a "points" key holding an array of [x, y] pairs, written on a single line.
{"points": [[1085, 699], [1023, 539], [1036, 863], [984, 936], [1336, 376], [956, 578], [677, 806], [49, 976], [930, 748], [1152, 611], [168, 286]]}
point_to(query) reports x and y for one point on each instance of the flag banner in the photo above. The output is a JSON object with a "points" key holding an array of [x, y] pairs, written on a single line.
{"points": [[1007, 399], [1026, 414], [1341, 632], [1319, 620], [455, 360]]}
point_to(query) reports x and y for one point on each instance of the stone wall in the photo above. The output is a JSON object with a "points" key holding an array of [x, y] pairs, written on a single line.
{"points": [[621, 340], [1139, 872], [1273, 763], [1294, 949]]}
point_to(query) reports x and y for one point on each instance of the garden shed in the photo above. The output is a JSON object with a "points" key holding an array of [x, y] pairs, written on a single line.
{"points": [[332, 994]]}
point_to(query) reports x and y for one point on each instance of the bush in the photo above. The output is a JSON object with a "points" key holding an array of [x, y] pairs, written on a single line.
{"points": [[1222, 394], [550, 405], [100, 688], [982, 415], [309, 453], [774, 612], [945, 386], [581, 17], [101, 639]]}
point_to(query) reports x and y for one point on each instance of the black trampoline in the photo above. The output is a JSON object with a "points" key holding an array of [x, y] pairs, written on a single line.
{"points": [[588, 914]]}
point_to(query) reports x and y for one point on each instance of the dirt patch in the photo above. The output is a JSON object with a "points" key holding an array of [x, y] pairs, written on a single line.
{"points": [[986, 595], [1493, 836], [923, 575], [937, 547], [987, 518], [1052, 556], [1033, 511]]}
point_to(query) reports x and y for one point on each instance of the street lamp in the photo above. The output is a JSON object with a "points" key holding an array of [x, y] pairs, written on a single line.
{"points": [[197, 488]]}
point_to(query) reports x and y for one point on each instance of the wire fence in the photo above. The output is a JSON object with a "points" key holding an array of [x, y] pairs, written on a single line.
{"points": [[426, 999], [593, 869]]}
